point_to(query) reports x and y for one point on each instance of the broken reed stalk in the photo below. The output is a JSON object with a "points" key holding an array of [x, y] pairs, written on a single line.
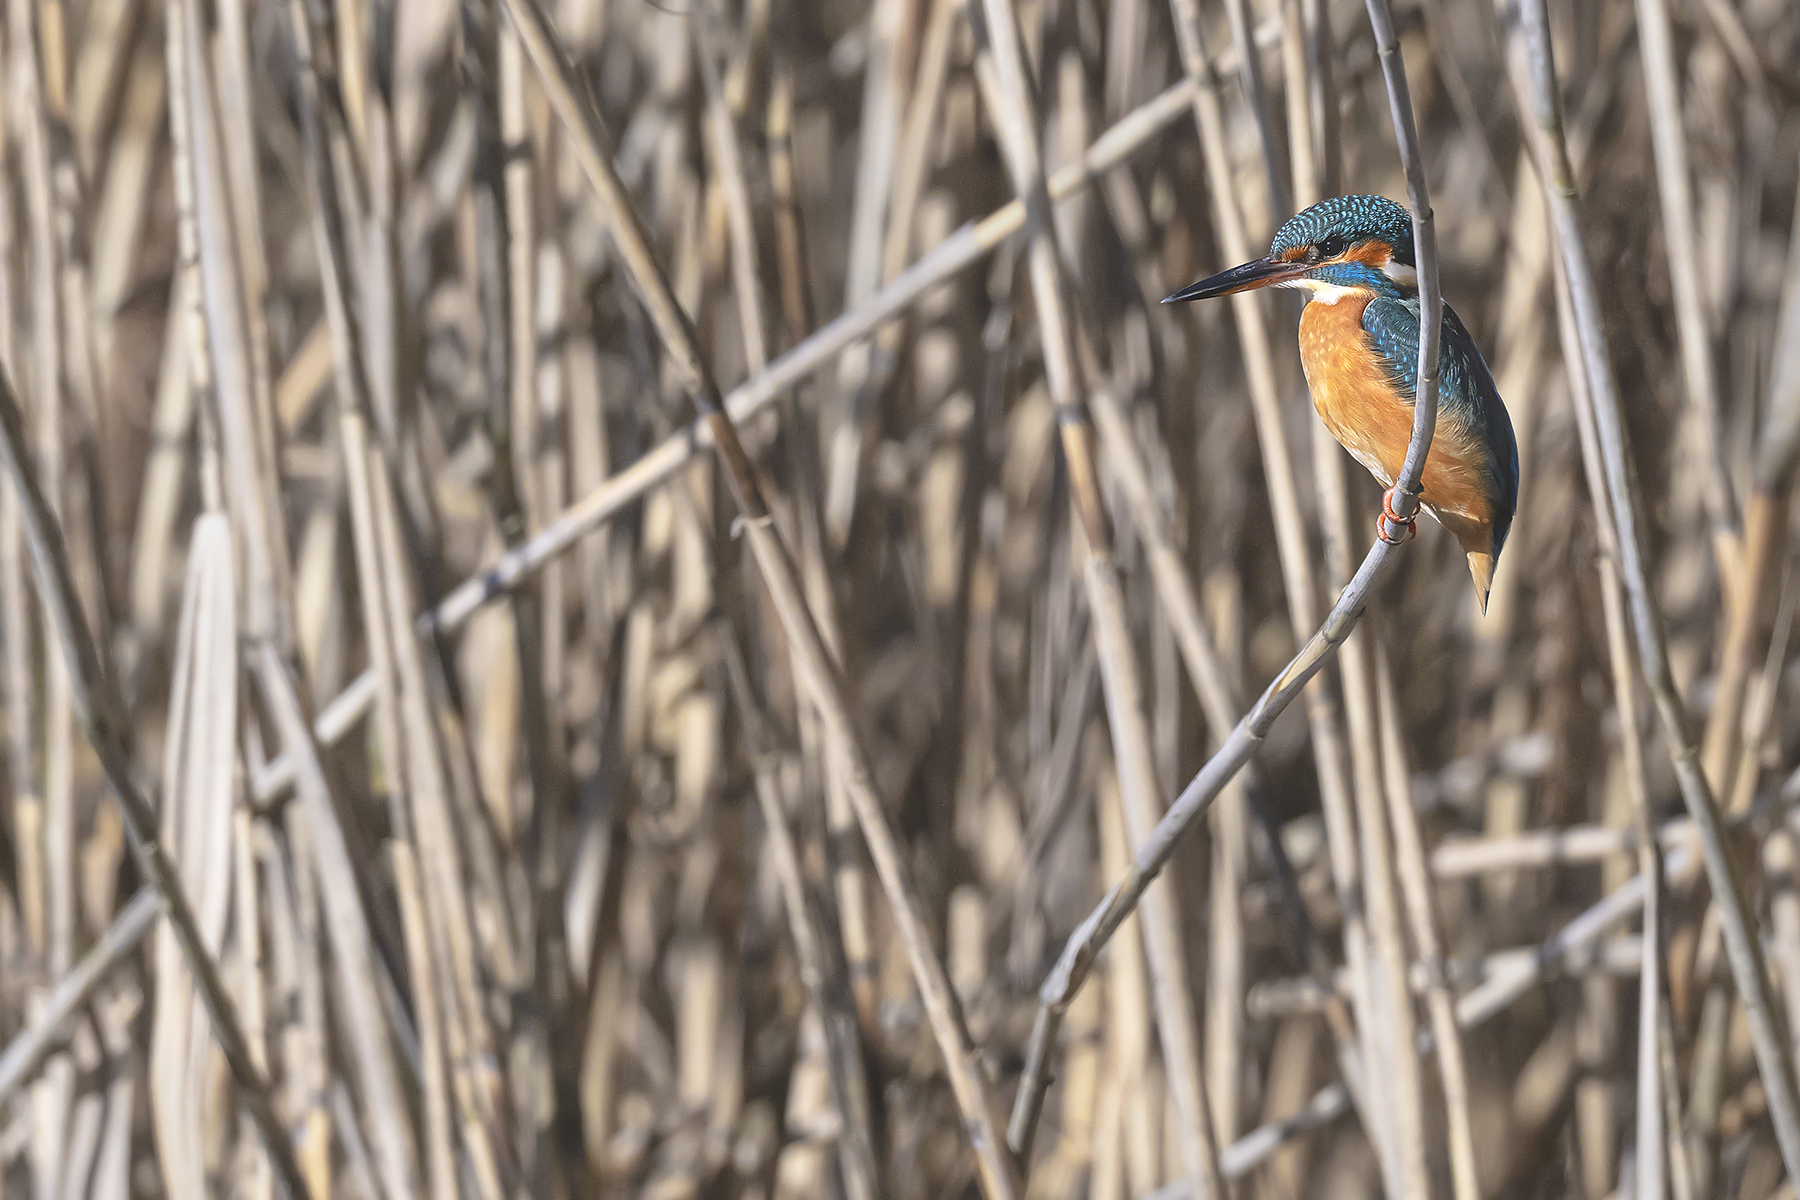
{"points": [[1743, 948], [97, 706], [1000, 1175], [968, 245], [1001, 72]]}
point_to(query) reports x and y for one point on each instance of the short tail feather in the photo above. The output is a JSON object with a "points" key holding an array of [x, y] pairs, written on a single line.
{"points": [[1481, 566]]}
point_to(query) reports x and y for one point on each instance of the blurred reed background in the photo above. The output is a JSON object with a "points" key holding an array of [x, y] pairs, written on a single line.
{"points": [[564, 876]]}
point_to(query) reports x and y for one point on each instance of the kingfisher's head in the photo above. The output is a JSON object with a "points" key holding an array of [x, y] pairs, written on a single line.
{"points": [[1349, 245]]}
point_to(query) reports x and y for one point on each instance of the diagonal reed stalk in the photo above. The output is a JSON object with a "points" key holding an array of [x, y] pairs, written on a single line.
{"points": [[1000, 1176]]}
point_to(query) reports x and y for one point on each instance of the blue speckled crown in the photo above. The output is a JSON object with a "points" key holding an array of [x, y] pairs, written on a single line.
{"points": [[1353, 218]]}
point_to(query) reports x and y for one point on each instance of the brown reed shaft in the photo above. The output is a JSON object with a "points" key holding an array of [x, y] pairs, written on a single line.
{"points": [[1218, 699], [1000, 1176], [95, 701], [218, 353], [433, 901], [1084, 945], [1307, 61], [1425, 926], [968, 245], [849, 872], [1362, 661], [1651, 1006], [1690, 1174], [1743, 948]]}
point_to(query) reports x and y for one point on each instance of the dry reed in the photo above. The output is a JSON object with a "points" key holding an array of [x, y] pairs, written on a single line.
{"points": [[642, 582]]}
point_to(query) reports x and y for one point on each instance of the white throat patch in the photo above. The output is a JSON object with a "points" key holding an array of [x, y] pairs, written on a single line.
{"points": [[1324, 293]]}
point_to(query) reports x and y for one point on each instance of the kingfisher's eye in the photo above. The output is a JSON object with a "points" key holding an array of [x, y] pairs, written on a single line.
{"points": [[1331, 247]]}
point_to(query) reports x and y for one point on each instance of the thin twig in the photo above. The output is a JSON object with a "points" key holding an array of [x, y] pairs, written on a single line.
{"points": [[1292, 545], [1084, 945]]}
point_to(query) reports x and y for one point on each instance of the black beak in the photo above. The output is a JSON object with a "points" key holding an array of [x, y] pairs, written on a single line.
{"points": [[1263, 272]]}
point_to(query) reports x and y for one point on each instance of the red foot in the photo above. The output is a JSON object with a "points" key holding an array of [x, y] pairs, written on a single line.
{"points": [[1391, 519]]}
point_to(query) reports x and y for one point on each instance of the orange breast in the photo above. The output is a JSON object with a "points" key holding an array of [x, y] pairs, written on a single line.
{"points": [[1358, 404]]}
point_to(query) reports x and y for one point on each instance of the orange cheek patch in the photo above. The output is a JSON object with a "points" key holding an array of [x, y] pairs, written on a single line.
{"points": [[1371, 254]]}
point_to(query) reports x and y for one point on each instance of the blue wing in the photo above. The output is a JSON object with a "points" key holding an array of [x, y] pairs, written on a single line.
{"points": [[1466, 391]]}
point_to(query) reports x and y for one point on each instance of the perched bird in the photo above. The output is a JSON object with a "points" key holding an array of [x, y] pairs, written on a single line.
{"points": [[1359, 344]]}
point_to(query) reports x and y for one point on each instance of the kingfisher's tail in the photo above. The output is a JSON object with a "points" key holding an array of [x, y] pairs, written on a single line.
{"points": [[1481, 566]]}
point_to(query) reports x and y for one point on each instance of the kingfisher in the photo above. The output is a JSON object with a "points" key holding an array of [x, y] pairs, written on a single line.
{"points": [[1359, 345]]}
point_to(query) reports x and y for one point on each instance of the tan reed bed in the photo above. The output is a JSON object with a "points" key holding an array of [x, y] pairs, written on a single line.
{"points": [[660, 585]]}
